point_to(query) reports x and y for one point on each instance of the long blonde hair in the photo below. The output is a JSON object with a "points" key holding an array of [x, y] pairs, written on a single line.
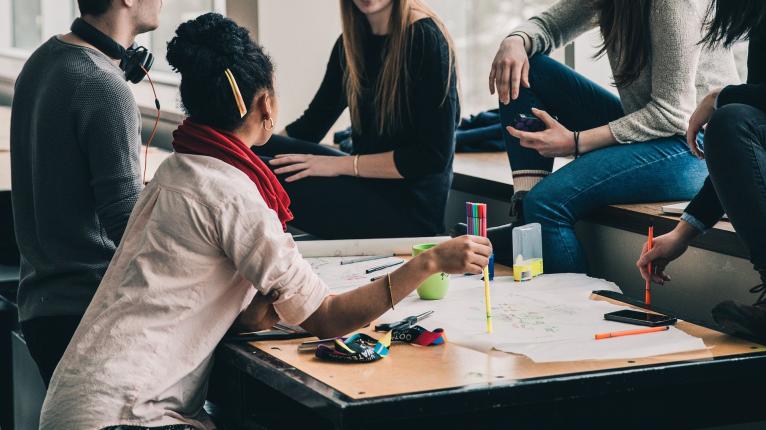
{"points": [[393, 86]]}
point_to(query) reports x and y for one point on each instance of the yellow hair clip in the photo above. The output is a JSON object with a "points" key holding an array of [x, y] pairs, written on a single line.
{"points": [[237, 94]]}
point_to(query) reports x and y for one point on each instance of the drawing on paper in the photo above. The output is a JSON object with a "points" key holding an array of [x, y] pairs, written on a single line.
{"points": [[341, 278]]}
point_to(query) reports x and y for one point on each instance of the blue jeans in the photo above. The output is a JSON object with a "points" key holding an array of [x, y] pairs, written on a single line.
{"points": [[651, 171]]}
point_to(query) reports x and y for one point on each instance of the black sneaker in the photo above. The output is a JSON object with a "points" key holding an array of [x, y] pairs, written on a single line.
{"points": [[745, 320], [517, 208]]}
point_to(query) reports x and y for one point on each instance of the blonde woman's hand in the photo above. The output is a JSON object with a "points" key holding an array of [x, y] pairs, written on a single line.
{"points": [[306, 165], [510, 69]]}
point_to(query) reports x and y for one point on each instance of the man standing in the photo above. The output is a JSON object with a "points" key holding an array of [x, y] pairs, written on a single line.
{"points": [[75, 162]]}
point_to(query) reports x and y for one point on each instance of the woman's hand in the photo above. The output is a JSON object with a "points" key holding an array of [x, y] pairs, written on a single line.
{"points": [[305, 165], [509, 69], [665, 249], [555, 141], [464, 254], [699, 119], [260, 313]]}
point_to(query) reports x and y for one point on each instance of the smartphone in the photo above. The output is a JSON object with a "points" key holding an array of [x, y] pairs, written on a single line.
{"points": [[640, 318], [529, 122]]}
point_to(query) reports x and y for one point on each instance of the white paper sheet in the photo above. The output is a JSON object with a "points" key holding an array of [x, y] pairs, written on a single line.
{"points": [[550, 318], [358, 247], [644, 345], [341, 278]]}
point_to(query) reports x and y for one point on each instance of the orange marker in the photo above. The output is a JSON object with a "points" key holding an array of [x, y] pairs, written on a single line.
{"points": [[648, 288], [630, 332]]}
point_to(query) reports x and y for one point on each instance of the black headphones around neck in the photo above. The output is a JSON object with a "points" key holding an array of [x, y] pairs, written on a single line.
{"points": [[133, 61]]}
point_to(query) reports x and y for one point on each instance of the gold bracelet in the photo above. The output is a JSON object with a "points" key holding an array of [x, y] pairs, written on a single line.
{"points": [[356, 165], [390, 290]]}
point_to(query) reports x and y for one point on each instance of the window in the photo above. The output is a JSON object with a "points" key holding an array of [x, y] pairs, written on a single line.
{"points": [[27, 24], [174, 12], [477, 28]]}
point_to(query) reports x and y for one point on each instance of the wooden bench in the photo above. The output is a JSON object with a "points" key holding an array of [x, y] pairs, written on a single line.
{"points": [[488, 174]]}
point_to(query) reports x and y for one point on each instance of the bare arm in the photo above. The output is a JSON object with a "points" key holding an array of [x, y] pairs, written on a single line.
{"points": [[301, 166], [596, 138], [341, 314]]}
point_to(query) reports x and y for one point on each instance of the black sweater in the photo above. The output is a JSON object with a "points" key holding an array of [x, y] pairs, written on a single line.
{"points": [[75, 145], [424, 147], [705, 206]]}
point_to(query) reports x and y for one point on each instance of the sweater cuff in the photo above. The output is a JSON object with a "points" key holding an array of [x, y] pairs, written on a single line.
{"points": [[621, 131], [533, 31], [694, 222]]}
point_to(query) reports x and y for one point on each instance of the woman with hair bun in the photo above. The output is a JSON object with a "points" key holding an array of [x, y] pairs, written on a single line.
{"points": [[205, 248]]}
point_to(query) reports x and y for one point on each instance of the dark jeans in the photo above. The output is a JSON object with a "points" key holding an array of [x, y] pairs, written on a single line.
{"points": [[343, 207], [47, 339], [656, 170], [735, 151]]}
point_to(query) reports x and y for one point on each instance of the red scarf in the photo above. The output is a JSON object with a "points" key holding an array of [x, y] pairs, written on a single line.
{"points": [[198, 139]]}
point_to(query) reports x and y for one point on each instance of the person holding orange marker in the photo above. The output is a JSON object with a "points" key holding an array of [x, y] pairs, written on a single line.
{"points": [[734, 149]]}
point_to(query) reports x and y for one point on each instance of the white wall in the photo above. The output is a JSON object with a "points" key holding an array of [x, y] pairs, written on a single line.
{"points": [[299, 35], [5, 22]]}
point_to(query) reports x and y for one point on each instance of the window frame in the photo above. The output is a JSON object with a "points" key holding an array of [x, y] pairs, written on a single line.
{"points": [[12, 60]]}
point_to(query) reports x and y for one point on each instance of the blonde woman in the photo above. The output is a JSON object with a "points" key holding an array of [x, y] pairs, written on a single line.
{"points": [[394, 68]]}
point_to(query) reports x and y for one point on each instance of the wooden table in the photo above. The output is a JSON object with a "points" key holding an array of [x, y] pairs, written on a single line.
{"points": [[272, 385]]}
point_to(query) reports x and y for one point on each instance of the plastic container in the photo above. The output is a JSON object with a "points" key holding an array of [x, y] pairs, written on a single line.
{"points": [[527, 252]]}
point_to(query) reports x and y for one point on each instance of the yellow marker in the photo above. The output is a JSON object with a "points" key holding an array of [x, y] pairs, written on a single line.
{"points": [[487, 301]]}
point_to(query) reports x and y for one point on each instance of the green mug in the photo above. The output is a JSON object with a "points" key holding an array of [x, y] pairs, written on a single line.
{"points": [[435, 286]]}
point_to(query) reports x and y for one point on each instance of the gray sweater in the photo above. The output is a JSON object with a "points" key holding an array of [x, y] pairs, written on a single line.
{"points": [[75, 144], [660, 102]]}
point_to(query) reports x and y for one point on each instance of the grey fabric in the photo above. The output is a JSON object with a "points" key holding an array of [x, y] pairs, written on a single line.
{"points": [[659, 103], [75, 171]]}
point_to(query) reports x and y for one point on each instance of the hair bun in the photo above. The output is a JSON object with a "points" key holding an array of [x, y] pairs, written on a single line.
{"points": [[201, 51], [207, 45]]}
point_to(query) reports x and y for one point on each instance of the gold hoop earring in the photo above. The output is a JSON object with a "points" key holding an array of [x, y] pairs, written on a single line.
{"points": [[271, 124]]}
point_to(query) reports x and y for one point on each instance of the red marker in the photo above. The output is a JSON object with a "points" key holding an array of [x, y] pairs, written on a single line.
{"points": [[648, 288]]}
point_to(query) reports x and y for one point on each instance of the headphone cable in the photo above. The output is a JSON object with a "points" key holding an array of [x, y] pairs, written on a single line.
{"points": [[156, 122]]}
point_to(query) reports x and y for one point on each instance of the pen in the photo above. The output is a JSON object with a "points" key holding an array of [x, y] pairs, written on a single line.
{"points": [[648, 287], [264, 335], [370, 258], [385, 266], [405, 323], [601, 336]]}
